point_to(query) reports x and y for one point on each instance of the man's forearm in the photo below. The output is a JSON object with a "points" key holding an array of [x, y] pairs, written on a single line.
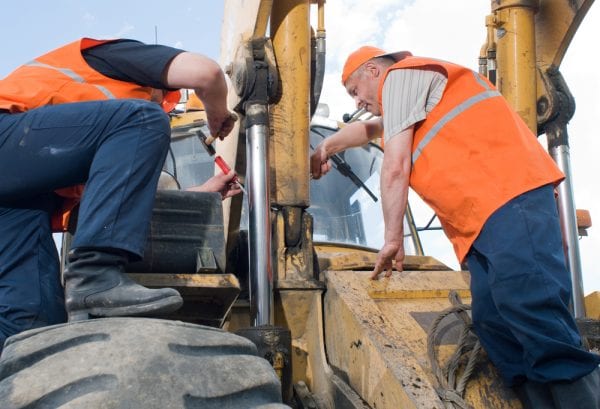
{"points": [[353, 135], [395, 177], [394, 198], [214, 94]]}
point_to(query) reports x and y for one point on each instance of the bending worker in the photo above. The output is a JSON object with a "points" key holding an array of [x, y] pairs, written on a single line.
{"points": [[89, 114], [451, 136]]}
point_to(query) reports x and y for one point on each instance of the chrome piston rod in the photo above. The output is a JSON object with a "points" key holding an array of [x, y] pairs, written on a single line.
{"points": [[259, 240], [568, 220]]}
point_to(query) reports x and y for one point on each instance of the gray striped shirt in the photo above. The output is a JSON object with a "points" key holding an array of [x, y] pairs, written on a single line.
{"points": [[408, 96]]}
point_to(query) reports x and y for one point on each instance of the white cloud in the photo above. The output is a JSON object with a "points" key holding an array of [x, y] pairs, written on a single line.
{"points": [[455, 31], [122, 32]]}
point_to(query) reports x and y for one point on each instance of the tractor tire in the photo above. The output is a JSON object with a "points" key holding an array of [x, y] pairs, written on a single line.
{"points": [[134, 363]]}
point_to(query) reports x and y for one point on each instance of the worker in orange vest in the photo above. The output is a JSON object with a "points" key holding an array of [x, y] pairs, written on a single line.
{"points": [[89, 113], [451, 136]]}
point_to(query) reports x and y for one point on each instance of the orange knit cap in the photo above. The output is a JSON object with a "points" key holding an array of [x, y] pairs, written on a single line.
{"points": [[364, 54]]}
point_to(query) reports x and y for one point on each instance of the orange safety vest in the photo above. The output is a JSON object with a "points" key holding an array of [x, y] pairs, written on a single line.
{"points": [[472, 153], [58, 77]]}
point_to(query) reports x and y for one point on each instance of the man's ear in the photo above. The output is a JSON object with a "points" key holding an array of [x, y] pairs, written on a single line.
{"points": [[373, 69]]}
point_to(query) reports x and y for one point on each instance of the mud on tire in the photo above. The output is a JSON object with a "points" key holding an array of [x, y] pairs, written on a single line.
{"points": [[134, 363]]}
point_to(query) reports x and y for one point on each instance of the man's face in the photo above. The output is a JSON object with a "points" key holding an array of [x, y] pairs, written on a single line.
{"points": [[363, 86]]}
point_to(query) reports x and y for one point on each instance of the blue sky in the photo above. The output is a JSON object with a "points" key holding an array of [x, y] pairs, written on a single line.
{"points": [[30, 28]]}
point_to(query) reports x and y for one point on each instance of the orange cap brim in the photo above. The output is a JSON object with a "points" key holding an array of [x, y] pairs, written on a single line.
{"points": [[364, 54]]}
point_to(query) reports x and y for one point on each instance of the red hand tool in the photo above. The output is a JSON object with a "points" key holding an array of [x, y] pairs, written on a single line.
{"points": [[226, 169]]}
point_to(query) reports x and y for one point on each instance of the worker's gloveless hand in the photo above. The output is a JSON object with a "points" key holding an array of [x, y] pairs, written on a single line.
{"points": [[388, 253], [319, 162], [220, 125], [222, 183]]}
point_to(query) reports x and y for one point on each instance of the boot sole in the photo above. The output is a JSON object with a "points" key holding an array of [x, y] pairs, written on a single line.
{"points": [[163, 306]]}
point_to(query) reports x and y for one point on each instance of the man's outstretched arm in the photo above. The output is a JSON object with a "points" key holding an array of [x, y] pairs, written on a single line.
{"points": [[350, 136], [395, 177]]}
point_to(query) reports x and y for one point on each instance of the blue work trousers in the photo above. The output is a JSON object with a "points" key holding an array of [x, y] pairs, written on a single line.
{"points": [[521, 290], [117, 149]]}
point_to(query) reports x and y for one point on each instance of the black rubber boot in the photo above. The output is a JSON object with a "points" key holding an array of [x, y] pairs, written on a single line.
{"points": [[584, 393], [96, 285]]}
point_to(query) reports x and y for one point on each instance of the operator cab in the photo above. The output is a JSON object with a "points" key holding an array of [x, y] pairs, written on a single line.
{"points": [[345, 203]]}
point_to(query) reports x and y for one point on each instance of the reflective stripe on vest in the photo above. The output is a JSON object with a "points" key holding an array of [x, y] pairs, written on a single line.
{"points": [[63, 76], [73, 75], [451, 115]]}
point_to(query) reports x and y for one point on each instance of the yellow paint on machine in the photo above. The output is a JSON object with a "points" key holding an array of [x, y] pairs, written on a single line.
{"points": [[592, 305], [376, 335]]}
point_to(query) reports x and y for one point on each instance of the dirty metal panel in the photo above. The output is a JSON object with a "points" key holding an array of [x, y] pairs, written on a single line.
{"points": [[363, 345], [376, 334], [420, 284], [207, 297], [332, 257]]}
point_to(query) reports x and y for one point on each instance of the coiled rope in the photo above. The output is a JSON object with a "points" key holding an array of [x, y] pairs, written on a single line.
{"points": [[451, 384]]}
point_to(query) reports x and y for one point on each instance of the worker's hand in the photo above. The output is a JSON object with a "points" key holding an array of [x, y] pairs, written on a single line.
{"points": [[220, 125], [390, 252], [319, 162], [222, 183]]}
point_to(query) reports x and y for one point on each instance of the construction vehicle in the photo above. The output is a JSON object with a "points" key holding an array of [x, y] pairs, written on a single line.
{"points": [[287, 265]]}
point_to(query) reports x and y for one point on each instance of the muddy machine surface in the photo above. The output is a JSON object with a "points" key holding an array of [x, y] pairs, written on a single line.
{"points": [[287, 265]]}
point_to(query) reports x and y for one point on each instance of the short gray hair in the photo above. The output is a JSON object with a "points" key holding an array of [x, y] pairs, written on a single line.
{"points": [[382, 62]]}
